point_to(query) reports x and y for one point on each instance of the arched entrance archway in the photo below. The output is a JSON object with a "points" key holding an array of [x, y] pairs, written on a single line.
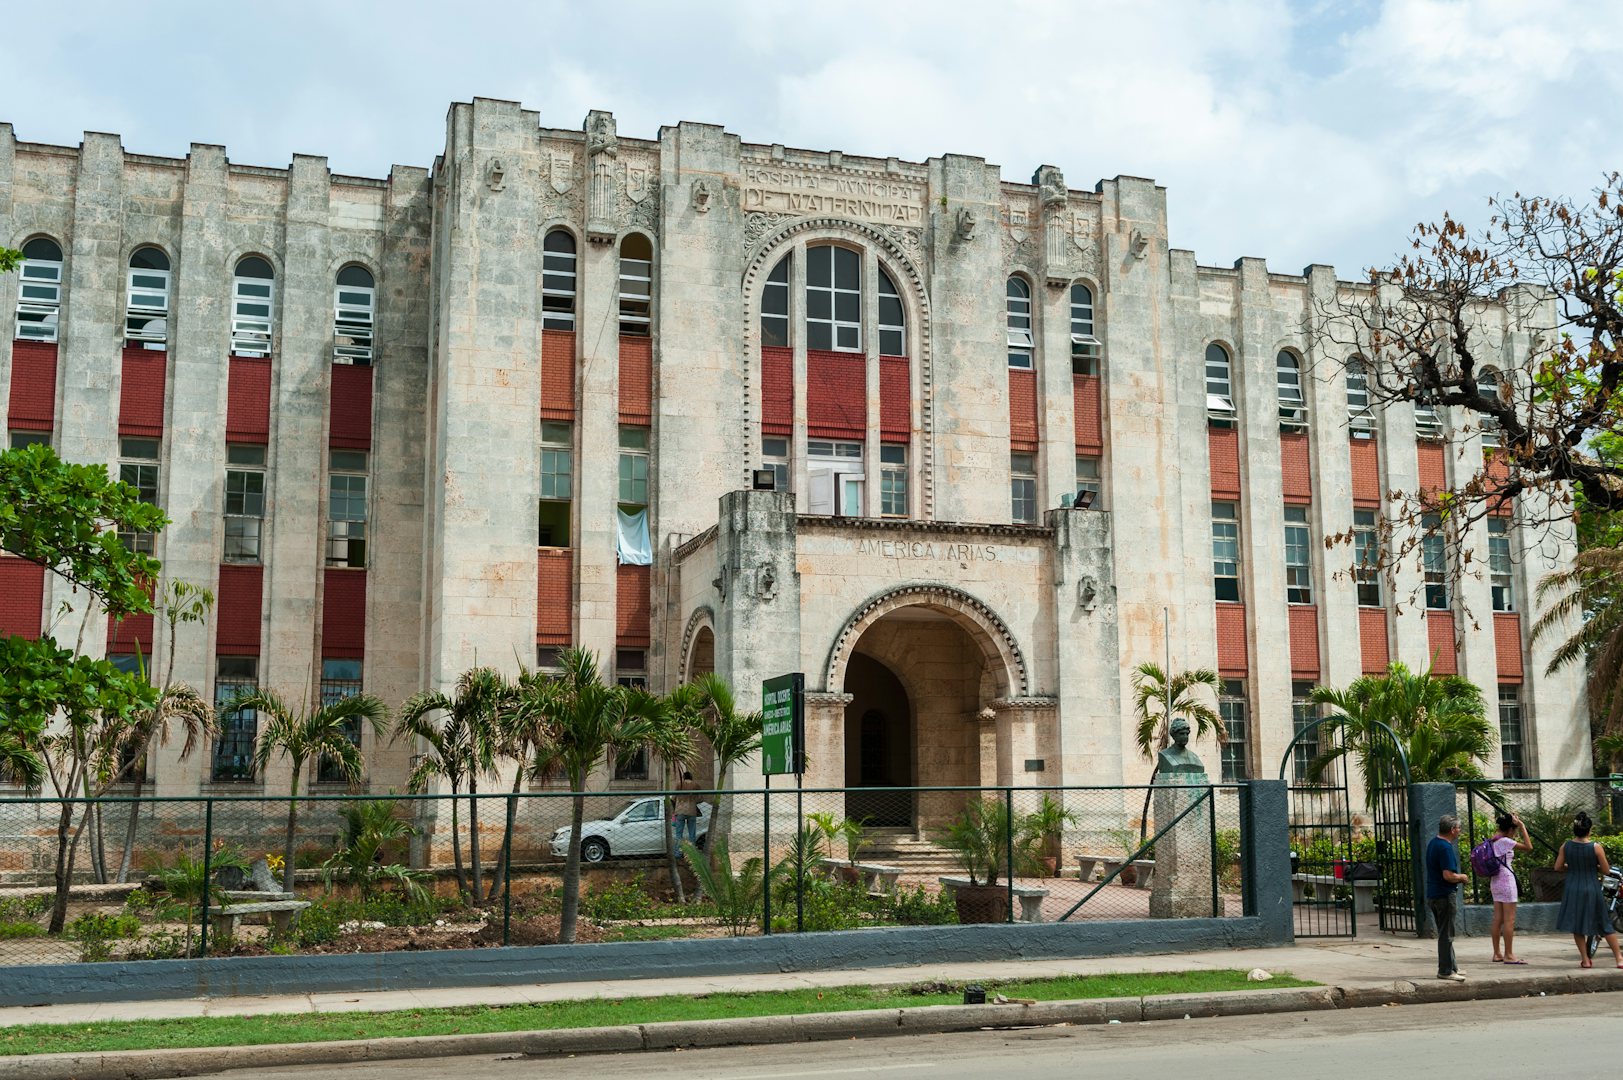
{"points": [[879, 745]]}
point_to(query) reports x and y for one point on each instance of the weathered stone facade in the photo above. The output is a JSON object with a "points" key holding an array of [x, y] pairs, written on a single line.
{"points": [[944, 639]]}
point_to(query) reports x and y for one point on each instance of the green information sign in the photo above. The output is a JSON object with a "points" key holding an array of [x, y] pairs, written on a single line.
{"points": [[782, 725]]}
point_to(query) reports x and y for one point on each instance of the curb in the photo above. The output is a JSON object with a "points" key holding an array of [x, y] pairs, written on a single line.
{"points": [[807, 1027]]}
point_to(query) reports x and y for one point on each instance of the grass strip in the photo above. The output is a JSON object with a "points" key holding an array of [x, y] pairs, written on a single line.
{"points": [[97, 1037]]}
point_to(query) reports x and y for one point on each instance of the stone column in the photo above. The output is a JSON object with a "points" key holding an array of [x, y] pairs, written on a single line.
{"points": [[825, 739], [1182, 885], [1265, 867], [986, 739], [1017, 721]]}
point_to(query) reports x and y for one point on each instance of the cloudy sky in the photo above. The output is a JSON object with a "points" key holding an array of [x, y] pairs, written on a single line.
{"points": [[1306, 131]]}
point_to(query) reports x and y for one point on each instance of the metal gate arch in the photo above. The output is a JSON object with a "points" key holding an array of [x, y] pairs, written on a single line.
{"points": [[1325, 871]]}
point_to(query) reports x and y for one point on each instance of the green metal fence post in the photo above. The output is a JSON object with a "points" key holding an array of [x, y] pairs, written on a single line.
{"points": [[507, 872], [1008, 838], [766, 856], [208, 850], [1211, 814]]}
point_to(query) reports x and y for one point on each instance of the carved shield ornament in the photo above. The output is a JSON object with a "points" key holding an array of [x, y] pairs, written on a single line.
{"points": [[636, 182], [561, 172]]}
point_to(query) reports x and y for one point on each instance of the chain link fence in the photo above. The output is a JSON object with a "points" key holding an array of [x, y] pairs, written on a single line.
{"points": [[1547, 808], [159, 878]]}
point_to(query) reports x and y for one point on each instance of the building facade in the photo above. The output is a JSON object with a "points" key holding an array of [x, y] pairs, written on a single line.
{"points": [[539, 394]]}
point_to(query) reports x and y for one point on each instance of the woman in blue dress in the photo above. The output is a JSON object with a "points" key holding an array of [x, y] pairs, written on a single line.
{"points": [[1583, 907]]}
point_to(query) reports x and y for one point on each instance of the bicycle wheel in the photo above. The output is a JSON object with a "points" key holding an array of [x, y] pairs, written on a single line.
{"points": [[1593, 943]]}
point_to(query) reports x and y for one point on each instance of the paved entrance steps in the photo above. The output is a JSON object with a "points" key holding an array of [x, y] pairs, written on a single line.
{"points": [[919, 859]]}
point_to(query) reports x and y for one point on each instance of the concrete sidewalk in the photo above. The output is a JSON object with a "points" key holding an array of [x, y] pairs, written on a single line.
{"points": [[1369, 962]]}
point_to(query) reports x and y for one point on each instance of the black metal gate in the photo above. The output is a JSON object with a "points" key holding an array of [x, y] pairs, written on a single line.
{"points": [[1386, 775], [1323, 868]]}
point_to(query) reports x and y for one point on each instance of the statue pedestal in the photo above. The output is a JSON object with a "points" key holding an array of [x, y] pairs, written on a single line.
{"points": [[1182, 886]]}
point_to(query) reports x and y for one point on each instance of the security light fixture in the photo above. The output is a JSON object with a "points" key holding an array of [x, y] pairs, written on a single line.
{"points": [[766, 480]]}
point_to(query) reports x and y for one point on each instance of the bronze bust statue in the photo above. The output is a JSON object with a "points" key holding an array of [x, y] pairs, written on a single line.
{"points": [[1178, 764]]}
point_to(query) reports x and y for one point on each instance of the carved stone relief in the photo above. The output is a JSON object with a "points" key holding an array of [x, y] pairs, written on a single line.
{"points": [[602, 152], [561, 188]]}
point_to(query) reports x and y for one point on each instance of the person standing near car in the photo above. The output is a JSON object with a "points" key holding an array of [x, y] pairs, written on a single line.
{"points": [[686, 808], [1443, 879]]}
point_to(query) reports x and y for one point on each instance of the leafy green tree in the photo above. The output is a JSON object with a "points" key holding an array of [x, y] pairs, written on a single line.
{"points": [[305, 736], [10, 259], [1440, 722]]}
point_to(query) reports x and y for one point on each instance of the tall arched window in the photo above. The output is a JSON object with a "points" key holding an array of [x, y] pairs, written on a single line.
{"points": [[146, 299], [636, 285], [1359, 417], [1292, 405], [558, 281], [1017, 315], [1084, 346], [892, 319], [775, 305], [833, 298], [355, 307], [253, 295], [1487, 387], [39, 293], [1219, 387]]}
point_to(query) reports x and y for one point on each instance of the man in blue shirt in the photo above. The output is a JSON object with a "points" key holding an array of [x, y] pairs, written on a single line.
{"points": [[1443, 879]]}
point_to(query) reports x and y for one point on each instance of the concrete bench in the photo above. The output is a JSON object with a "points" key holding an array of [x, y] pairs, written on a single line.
{"points": [[877, 878], [1031, 897], [1363, 890], [283, 914], [1109, 864]]}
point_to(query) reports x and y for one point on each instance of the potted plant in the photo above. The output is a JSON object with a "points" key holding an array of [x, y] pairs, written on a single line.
{"points": [[979, 837], [844, 830], [1043, 829]]}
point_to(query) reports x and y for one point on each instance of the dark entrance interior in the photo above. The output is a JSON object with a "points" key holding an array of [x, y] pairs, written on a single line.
{"points": [[878, 744]]}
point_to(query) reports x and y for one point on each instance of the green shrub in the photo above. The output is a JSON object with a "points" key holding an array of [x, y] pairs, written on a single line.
{"points": [[161, 945], [920, 907], [319, 923], [1613, 846], [619, 900], [96, 933], [10, 931], [157, 905], [19, 908]]}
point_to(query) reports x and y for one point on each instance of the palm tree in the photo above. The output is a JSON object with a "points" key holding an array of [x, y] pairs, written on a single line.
{"points": [[463, 747], [307, 736], [526, 736], [20, 762], [1590, 590], [177, 703], [1157, 701], [593, 723], [732, 735], [1440, 723]]}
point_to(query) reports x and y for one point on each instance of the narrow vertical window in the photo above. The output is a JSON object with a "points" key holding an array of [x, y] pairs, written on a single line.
{"points": [[1292, 404], [1434, 562], [138, 467], [557, 483], [631, 671], [1088, 479], [892, 320], [239, 730], [355, 315], [1084, 346], [1023, 488], [775, 456], [1298, 556], [1219, 387], [340, 679], [775, 305], [1487, 387], [1225, 551], [1367, 556], [253, 298], [835, 471], [1512, 736], [1017, 315], [1304, 714], [558, 281], [636, 286], [1359, 416], [39, 290], [633, 468], [146, 299], [346, 509], [893, 480], [833, 299], [1428, 424], [1231, 709], [244, 502], [1500, 566]]}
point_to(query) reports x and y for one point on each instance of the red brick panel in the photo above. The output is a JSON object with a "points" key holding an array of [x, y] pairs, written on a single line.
{"points": [[351, 407], [1366, 474], [557, 375], [554, 577], [895, 399], [1498, 471], [1231, 651], [1373, 641], [1440, 643], [1223, 448], [140, 392], [777, 390], [1430, 459], [1085, 393], [1304, 623], [133, 635], [631, 610], [343, 612], [33, 386], [241, 594], [1507, 640], [1022, 410], [22, 596], [836, 394], [247, 400], [637, 381], [1297, 472]]}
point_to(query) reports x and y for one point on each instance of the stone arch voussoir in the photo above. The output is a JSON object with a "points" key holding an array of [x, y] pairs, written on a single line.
{"points": [[975, 617]]}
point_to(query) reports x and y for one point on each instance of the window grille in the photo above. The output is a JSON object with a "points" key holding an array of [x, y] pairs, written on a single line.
{"points": [[636, 286], [253, 295], [340, 679], [1236, 753], [1085, 348], [833, 298], [239, 730], [1304, 714], [1512, 737], [558, 281], [146, 299], [355, 314], [1017, 315], [1298, 556], [39, 290], [346, 509], [1225, 551]]}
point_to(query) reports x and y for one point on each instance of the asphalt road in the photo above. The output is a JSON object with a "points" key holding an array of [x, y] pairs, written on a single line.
{"points": [[1570, 1036]]}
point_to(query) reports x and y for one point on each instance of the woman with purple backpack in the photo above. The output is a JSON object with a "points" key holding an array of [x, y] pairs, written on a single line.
{"points": [[1502, 885]]}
